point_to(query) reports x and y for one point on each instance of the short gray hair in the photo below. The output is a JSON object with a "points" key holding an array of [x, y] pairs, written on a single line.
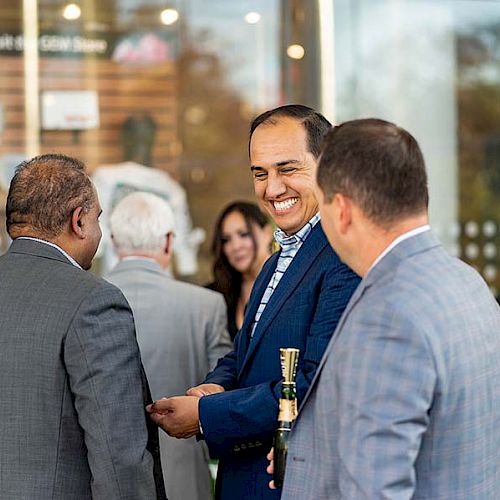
{"points": [[140, 222]]}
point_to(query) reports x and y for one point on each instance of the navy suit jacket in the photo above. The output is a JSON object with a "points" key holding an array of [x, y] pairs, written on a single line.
{"points": [[303, 312]]}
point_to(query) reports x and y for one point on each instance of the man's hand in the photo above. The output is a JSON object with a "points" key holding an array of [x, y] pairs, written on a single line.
{"points": [[177, 416], [270, 467], [204, 390]]}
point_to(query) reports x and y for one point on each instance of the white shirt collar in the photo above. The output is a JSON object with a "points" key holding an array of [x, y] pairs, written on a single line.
{"points": [[132, 258], [53, 245], [397, 241], [138, 257], [300, 236]]}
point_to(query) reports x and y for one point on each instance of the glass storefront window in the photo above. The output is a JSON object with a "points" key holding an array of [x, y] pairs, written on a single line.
{"points": [[193, 73], [200, 71], [433, 67]]}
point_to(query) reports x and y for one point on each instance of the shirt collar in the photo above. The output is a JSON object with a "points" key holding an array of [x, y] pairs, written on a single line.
{"points": [[53, 245], [398, 240], [138, 257], [297, 238]]}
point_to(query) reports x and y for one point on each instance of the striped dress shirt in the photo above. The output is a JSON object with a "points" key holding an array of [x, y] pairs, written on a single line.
{"points": [[290, 245]]}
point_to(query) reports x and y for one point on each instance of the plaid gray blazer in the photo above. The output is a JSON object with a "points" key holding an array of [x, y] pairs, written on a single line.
{"points": [[406, 401]]}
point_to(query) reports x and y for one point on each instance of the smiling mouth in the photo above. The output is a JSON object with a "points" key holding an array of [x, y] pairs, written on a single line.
{"points": [[239, 258], [284, 205]]}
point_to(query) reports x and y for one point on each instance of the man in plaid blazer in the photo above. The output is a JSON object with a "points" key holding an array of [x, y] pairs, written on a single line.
{"points": [[406, 400]]}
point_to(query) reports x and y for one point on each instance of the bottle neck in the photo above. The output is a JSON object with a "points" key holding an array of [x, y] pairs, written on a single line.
{"points": [[285, 425]]}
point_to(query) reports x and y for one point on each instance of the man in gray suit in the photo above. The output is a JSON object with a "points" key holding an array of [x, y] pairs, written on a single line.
{"points": [[406, 401], [181, 328], [72, 389]]}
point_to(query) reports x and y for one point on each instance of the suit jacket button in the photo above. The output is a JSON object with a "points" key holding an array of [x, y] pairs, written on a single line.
{"points": [[243, 446], [258, 443], [236, 448], [251, 445]]}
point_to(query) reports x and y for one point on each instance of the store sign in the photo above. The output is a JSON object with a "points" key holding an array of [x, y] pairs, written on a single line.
{"points": [[69, 110], [129, 47], [56, 44]]}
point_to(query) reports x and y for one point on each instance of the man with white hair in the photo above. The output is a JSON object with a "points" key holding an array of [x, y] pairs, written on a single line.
{"points": [[181, 328]]}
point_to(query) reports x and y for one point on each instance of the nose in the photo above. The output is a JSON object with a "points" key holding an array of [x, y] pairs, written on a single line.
{"points": [[275, 185], [232, 245]]}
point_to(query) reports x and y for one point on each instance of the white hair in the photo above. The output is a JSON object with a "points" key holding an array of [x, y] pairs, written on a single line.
{"points": [[140, 222]]}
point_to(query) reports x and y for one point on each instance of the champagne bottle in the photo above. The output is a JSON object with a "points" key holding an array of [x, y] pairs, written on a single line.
{"points": [[287, 413]]}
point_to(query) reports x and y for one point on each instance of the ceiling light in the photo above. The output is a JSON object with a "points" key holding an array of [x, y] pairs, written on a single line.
{"points": [[169, 16], [252, 18], [72, 12], [295, 51]]}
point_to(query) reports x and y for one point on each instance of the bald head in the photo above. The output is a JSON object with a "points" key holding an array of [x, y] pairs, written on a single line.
{"points": [[44, 193]]}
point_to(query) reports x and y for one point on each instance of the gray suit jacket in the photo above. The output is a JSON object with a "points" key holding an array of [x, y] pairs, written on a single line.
{"points": [[73, 424], [181, 331], [406, 401]]}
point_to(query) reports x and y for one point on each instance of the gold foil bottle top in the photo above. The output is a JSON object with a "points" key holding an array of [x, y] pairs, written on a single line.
{"points": [[289, 357]]}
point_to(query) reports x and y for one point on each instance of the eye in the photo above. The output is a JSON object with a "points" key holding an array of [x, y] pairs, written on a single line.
{"points": [[288, 170], [244, 234], [257, 174]]}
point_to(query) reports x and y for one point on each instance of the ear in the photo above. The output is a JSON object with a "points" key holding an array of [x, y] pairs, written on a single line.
{"points": [[77, 223], [344, 212]]}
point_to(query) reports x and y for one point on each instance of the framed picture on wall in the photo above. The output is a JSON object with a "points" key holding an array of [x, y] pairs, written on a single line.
{"points": [[69, 109]]}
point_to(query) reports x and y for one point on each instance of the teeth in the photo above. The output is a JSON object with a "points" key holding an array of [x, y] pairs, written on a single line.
{"points": [[283, 205]]}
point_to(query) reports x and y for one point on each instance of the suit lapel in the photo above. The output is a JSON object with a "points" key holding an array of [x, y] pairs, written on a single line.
{"points": [[301, 263], [254, 302], [362, 287], [389, 263]]}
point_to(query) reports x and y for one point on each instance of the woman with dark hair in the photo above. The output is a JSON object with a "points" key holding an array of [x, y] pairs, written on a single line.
{"points": [[241, 244]]}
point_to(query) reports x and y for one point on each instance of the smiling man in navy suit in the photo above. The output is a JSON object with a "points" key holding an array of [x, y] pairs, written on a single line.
{"points": [[296, 301]]}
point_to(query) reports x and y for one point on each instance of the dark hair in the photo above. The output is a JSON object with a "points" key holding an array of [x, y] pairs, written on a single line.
{"points": [[138, 136], [44, 193], [226, 279], [378, 165], [316, 124]]}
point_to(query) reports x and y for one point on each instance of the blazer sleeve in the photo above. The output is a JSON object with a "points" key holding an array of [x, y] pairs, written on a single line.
{"points": [[247, 416], [225, 373], [218, 340], [388, 378], [105, 376]]}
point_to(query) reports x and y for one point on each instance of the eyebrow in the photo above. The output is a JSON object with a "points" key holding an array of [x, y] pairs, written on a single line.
{"points": [[277, 164]]}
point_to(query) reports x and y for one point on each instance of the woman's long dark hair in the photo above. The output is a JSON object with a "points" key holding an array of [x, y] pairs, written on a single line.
{"points": [[226, 279]]}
